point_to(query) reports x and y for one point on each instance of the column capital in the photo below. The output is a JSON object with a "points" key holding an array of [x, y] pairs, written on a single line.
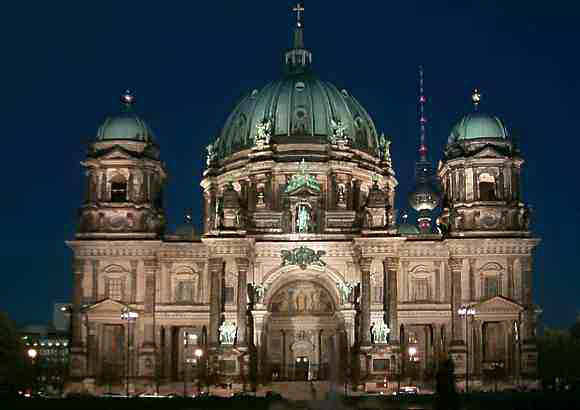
{"points": [[365, 264], [243, 264], [456, 264], [216, 265], [391, 263]]}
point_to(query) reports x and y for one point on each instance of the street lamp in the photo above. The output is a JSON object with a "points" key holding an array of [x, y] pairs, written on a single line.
{"points": [[32, 353], [198, 354], [413, 358], [466, 311], [128, 315]]}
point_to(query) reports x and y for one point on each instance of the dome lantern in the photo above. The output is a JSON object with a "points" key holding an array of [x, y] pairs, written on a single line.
{"points": [[298, 58]]}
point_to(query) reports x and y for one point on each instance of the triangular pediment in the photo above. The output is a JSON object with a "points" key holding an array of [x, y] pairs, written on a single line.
{"points": [[117, 153], [488, 152], [498, 304], [303, 190], [107, 306]]}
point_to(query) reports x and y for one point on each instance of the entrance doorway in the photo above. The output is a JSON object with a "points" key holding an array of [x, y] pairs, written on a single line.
{"points": [[302, 367]]}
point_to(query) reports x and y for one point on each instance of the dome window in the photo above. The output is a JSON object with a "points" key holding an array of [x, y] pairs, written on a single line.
{"points": [[487, 187], [118, 189], [300, 86]]}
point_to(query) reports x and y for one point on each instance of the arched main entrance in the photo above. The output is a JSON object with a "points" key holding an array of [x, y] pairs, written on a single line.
{"points": [[301, 327]]}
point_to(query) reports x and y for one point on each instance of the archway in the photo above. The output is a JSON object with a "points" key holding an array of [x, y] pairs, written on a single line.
{"points": [[301, 324]]}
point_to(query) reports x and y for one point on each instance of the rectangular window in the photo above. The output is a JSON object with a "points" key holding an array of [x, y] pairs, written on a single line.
{"points": [[115, 289], [229, 294], [421, 289], [227, 366], [491, 286], [184, 291], [380, 365]]}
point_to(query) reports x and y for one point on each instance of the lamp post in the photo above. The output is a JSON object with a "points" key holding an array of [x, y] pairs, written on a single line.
{"points": [[466, 311], [413, 358], [198, 354], [32, 353], [128, 315]]}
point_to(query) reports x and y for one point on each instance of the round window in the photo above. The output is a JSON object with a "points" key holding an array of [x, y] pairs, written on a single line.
{"points": [[300, 86]]}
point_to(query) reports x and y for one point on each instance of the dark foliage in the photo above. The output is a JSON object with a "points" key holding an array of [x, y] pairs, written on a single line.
{"points": [[16, 371]]}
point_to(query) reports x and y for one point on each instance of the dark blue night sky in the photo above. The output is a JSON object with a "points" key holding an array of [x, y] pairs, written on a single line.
{"points": [[64, 65]]}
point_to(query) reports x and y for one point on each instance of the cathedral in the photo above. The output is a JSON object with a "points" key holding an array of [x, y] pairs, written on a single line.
{"points": [[303, 271]]}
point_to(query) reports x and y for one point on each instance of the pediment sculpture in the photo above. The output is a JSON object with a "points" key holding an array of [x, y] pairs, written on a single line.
{"points": [[302, 257], [303, 179]]}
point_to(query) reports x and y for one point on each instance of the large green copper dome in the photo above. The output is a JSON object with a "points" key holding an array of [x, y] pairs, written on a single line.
{"points": [[301, 109], [125, 125], [477, 126]]}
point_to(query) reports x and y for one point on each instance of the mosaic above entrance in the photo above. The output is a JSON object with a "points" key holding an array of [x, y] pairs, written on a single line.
{"points": [[301, 298]]}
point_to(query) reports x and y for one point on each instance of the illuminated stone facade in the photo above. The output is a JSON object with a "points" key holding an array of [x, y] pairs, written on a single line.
{"points": [[301, 256]]}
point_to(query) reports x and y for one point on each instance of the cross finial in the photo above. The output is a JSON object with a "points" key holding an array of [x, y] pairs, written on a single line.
{"points": [[303, 166], [299, 8], [476, 98]]}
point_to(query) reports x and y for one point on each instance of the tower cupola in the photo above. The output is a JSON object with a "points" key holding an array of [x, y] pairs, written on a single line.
{"points": [[125, 179]]}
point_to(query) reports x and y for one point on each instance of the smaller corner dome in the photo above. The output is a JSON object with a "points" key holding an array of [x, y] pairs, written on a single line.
{"points": [[125, 125], [478, 126]]}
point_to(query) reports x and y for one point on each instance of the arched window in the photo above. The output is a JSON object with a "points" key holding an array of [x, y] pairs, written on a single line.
{"points": [[491, 280], [487, 187], [118, 189]]}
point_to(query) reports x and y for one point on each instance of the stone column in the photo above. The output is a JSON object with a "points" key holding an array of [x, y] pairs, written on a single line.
{"points": [[243, 265], [349, 319], [390, 265], [168, 350], [147, 357], [133, 295], [92, 349], [216, 273], [510, 278], [95, 280], [457, 346], [78, 272], [259, 319], [457, 330], [437, 348], [365, 305]]}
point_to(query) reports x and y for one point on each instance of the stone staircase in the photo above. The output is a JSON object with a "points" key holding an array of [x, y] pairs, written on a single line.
{"points": [[303, 390]]}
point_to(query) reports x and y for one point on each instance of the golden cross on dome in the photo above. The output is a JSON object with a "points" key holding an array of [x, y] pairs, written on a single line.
{"points": [[298, 9]]}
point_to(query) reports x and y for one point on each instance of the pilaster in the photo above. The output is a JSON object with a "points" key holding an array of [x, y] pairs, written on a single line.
{"points": [[390, 266], [243, 265], [365, 305], [216, 273]]}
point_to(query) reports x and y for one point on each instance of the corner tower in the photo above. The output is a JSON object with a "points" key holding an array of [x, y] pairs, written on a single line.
{"points": [[124, 180], [480, 175]]}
